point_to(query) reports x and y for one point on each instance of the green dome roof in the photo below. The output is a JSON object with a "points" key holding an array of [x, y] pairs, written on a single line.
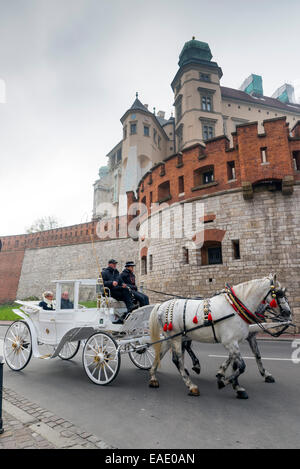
{"points": [[194, 51]]}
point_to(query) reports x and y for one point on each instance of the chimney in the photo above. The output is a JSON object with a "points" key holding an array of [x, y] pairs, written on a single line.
{"points": [[146, 105], [161, 114]]}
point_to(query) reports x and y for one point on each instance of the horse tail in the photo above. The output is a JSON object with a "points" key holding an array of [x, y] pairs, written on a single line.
{"points": [[155, 329]]}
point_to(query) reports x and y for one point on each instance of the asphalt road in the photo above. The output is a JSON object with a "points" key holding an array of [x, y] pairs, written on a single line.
{"points": [[128, 414]]}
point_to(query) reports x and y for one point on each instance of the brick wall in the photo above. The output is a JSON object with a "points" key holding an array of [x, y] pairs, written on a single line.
{"points": [[10, 271], [246, 154]]}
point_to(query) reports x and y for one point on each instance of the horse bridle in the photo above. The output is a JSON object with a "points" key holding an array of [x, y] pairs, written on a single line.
{"points": [[276, 295]]}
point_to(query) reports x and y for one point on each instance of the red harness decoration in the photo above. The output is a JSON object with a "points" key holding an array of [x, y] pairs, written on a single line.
{"points": [[240, 308]]}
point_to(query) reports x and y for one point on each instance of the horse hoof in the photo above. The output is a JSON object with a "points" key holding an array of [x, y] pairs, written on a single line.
{"points": [[241, 395], [269, 379], [221, 384], [194, 392], [153, 384], [196, 369]]}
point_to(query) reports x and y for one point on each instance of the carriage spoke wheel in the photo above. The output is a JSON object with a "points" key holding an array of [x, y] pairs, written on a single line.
{"points": [[101, 359], [17, 347], [143, 358], [69, 350]]}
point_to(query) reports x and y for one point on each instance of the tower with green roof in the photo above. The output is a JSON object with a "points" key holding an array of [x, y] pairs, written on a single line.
{"points": [[197, 94]]}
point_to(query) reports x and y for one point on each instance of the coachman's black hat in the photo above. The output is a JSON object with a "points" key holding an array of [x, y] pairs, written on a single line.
{"points": [[129, 264]]}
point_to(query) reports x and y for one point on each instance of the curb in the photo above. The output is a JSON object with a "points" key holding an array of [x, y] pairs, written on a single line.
{"points": [[31, 425]]}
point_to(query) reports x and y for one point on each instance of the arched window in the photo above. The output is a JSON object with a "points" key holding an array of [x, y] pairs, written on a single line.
{"points": [[144, 265]]}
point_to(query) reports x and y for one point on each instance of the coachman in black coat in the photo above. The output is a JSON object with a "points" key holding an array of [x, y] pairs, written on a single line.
{"points": [[118, 289], [128, 277]]}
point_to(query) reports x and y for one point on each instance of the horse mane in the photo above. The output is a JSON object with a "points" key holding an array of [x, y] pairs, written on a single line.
{"points": [[245, 288]]}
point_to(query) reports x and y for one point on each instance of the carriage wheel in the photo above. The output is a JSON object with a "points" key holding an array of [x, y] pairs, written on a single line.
{"points": [[143, 358], [69, 350], [101, 359], [17, 347]]}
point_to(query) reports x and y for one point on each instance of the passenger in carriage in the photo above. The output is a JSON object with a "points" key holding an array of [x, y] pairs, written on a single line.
{"points": [[65, 301], [47, 301], [128, 277], [118, 289]]}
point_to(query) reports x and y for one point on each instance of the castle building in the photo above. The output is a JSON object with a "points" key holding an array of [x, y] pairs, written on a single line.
{"points": [[204, 110], [234, 152]]}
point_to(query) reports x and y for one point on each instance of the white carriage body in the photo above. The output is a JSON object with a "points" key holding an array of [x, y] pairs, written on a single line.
{"points": [[59, 326]]}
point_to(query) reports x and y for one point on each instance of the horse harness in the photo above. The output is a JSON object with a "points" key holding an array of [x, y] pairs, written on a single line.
{"points": [[208, 321], [237, 305]]}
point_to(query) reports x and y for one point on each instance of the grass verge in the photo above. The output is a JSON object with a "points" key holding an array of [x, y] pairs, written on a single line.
{"points": [[6, 312]]}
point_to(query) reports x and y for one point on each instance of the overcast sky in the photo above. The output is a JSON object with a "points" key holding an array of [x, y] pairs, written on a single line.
{"points": [[71, 69]]}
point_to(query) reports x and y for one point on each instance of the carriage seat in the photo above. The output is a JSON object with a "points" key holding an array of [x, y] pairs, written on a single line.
{"points": [[112, 303]]}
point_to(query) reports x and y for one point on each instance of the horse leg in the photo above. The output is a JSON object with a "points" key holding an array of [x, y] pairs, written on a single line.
{"points": [[187, 345], [153, 383], [178, 360], [238, 366], [221, 373], [255, 350]]}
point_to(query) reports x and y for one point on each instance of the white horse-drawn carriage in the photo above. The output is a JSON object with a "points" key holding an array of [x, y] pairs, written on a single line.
{"points": [[89, 322], [228, 317]]}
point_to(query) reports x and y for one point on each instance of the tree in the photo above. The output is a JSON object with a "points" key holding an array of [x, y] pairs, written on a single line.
{"points": [[43, 224]]}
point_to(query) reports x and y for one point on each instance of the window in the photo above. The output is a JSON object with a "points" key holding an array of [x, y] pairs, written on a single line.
{"points": [[146, 131], [158, 141], [177, 87], [185, 253], [236, 249], [132, 129], [205, 77], [150, 262], [206, 102], [150, 199], [296, 160], [208, 132], [203, 176], [231, 170], [181, 185], [119, 155], [179, 133], [178, 108], [164, 193], [214, 255], [116, 188], [263, 153], [154, 135], [210, 253], [144, 265]]}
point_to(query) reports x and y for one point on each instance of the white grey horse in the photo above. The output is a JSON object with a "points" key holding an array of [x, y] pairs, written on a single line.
{"points": [[229, 329], [281, 309]]}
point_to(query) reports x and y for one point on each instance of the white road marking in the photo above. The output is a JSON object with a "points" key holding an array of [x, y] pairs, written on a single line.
{"points": [[253, 358]]}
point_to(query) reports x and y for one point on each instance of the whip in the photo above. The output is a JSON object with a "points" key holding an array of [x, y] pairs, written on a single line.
{"points": [[100, 278]]}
